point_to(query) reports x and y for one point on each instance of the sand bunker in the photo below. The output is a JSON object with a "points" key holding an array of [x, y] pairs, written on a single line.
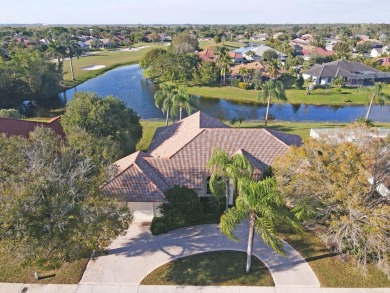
{"points": [[93, 67]]}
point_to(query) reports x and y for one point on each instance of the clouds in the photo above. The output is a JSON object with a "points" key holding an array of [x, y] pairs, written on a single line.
{"points": [[191, 11]]}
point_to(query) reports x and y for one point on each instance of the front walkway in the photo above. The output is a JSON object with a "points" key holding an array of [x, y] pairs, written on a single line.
{"points": [[135, 255]]}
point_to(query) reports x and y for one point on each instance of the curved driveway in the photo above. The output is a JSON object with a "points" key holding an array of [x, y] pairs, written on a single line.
{"points": [[135, 255]]}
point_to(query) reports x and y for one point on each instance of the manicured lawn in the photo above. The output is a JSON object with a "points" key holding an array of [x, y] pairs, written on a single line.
{"points": [[331, 270], [110, 59], [221, 268], [231, 45], [149, 128], [12, 271], [295, 96]]}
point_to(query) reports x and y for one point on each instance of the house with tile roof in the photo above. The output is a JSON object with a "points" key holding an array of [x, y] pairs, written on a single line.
{"points": [[178, 155], [10, 126], [353, 73]]}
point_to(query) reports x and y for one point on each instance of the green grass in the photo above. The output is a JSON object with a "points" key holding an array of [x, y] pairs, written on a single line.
{"points": [[110, 59], [231, 45], [332, 270], [349, 96], [12, 271], [149, 128], [221, 268]]}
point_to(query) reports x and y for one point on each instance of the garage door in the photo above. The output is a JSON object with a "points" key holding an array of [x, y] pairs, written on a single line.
{"points": [[144, 211]]}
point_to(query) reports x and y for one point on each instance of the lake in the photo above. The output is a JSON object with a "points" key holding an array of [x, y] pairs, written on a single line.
{"points": [[128, 84]]}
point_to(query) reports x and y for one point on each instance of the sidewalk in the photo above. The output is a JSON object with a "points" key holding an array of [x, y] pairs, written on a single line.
{"points": [[97, 288]]}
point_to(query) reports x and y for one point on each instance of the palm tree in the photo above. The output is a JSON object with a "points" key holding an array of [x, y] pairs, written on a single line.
{"points": [[243, 72], [164, 99], [264, 207], [56, 50], [273, 68], [377, 94], [223, 61], [72, 49], [271, 89], [182, 99], [226, 168]]}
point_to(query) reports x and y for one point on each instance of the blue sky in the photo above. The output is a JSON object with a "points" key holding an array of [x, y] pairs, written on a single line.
{"points": [[196, 12]]}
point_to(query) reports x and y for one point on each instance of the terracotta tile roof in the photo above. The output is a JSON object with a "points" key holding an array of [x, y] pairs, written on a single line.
{"points": [[24, 127], [179, 153], [207, 55], [253, 65], [137, 180], [319, 51], [385, 61], [236, 55]]}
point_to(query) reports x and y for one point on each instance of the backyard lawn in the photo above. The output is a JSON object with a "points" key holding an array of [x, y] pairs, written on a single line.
{"points": [[318, 96], [221, 268]]}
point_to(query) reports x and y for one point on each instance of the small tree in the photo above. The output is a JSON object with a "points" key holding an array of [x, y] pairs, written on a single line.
{"points": [[269, 55], [271, 89], [378, 95], [338, 83], [299, 82]]}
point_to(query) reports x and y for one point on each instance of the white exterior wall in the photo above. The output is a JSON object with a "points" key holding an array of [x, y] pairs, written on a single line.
{"points": [[144, 211]]}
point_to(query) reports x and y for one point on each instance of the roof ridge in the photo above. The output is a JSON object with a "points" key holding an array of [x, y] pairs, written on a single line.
{"points": [[145, 174], [278, 139], [201, 131]]}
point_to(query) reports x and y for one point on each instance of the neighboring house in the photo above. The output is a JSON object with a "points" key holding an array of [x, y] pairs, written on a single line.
{"points": [[207, 55], [257, 66], [356, 136], [236, 57], [260, 37], [165, 37], [298, 45], [106, 43], [385, 61], [353, 73], [258, 52], [178, 155], [377, 52], [11, 126], [84, 46], [320, 51]]}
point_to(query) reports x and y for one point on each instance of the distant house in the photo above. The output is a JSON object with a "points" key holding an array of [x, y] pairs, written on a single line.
{"points": [[257, 66], [12, 127], [385, 61], [178, 155], [260, 37], [320, 51], [353, 73], [84, 46], [165, 38], [377, 52], [106, 43], [236, 57], [207, 55], [257, 51]]}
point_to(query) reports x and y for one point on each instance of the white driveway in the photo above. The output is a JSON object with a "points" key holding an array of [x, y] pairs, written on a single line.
{"points": [[135, 255]]}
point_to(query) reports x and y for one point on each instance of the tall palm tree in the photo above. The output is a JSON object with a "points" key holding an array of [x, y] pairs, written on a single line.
{"points": [[223, 61], [264, 207], [271, 89], [243, 72], [226, 168], [183, 100], [56, 50], [164, 99], [72, 49], [377, 94]]}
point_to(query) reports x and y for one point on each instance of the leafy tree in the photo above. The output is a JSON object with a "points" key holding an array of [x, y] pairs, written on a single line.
{"points": [[217, 39], [184, 43], [299, 82], [264, 207], [342, 49], [269, 55], [150, 56], [328, 181], [10, 113], [316, 58], [226, 168], [51, 206], [208, 73], [104, 117], [271, 89], [378, 95], [155, 37], [56, 50]]}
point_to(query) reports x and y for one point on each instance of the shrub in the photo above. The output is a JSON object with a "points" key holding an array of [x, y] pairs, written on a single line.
{"points": [[10, 113], [244, 85], [183, 206], [235, 82]]}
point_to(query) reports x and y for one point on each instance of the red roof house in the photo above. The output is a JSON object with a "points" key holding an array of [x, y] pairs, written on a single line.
{"points": [[24, 127]]}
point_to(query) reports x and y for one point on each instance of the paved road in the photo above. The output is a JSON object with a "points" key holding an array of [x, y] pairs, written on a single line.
{"points": [[135, 255]]}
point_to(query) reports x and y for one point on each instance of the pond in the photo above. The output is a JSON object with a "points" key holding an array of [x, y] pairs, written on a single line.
{"points": [[128, 84]]}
